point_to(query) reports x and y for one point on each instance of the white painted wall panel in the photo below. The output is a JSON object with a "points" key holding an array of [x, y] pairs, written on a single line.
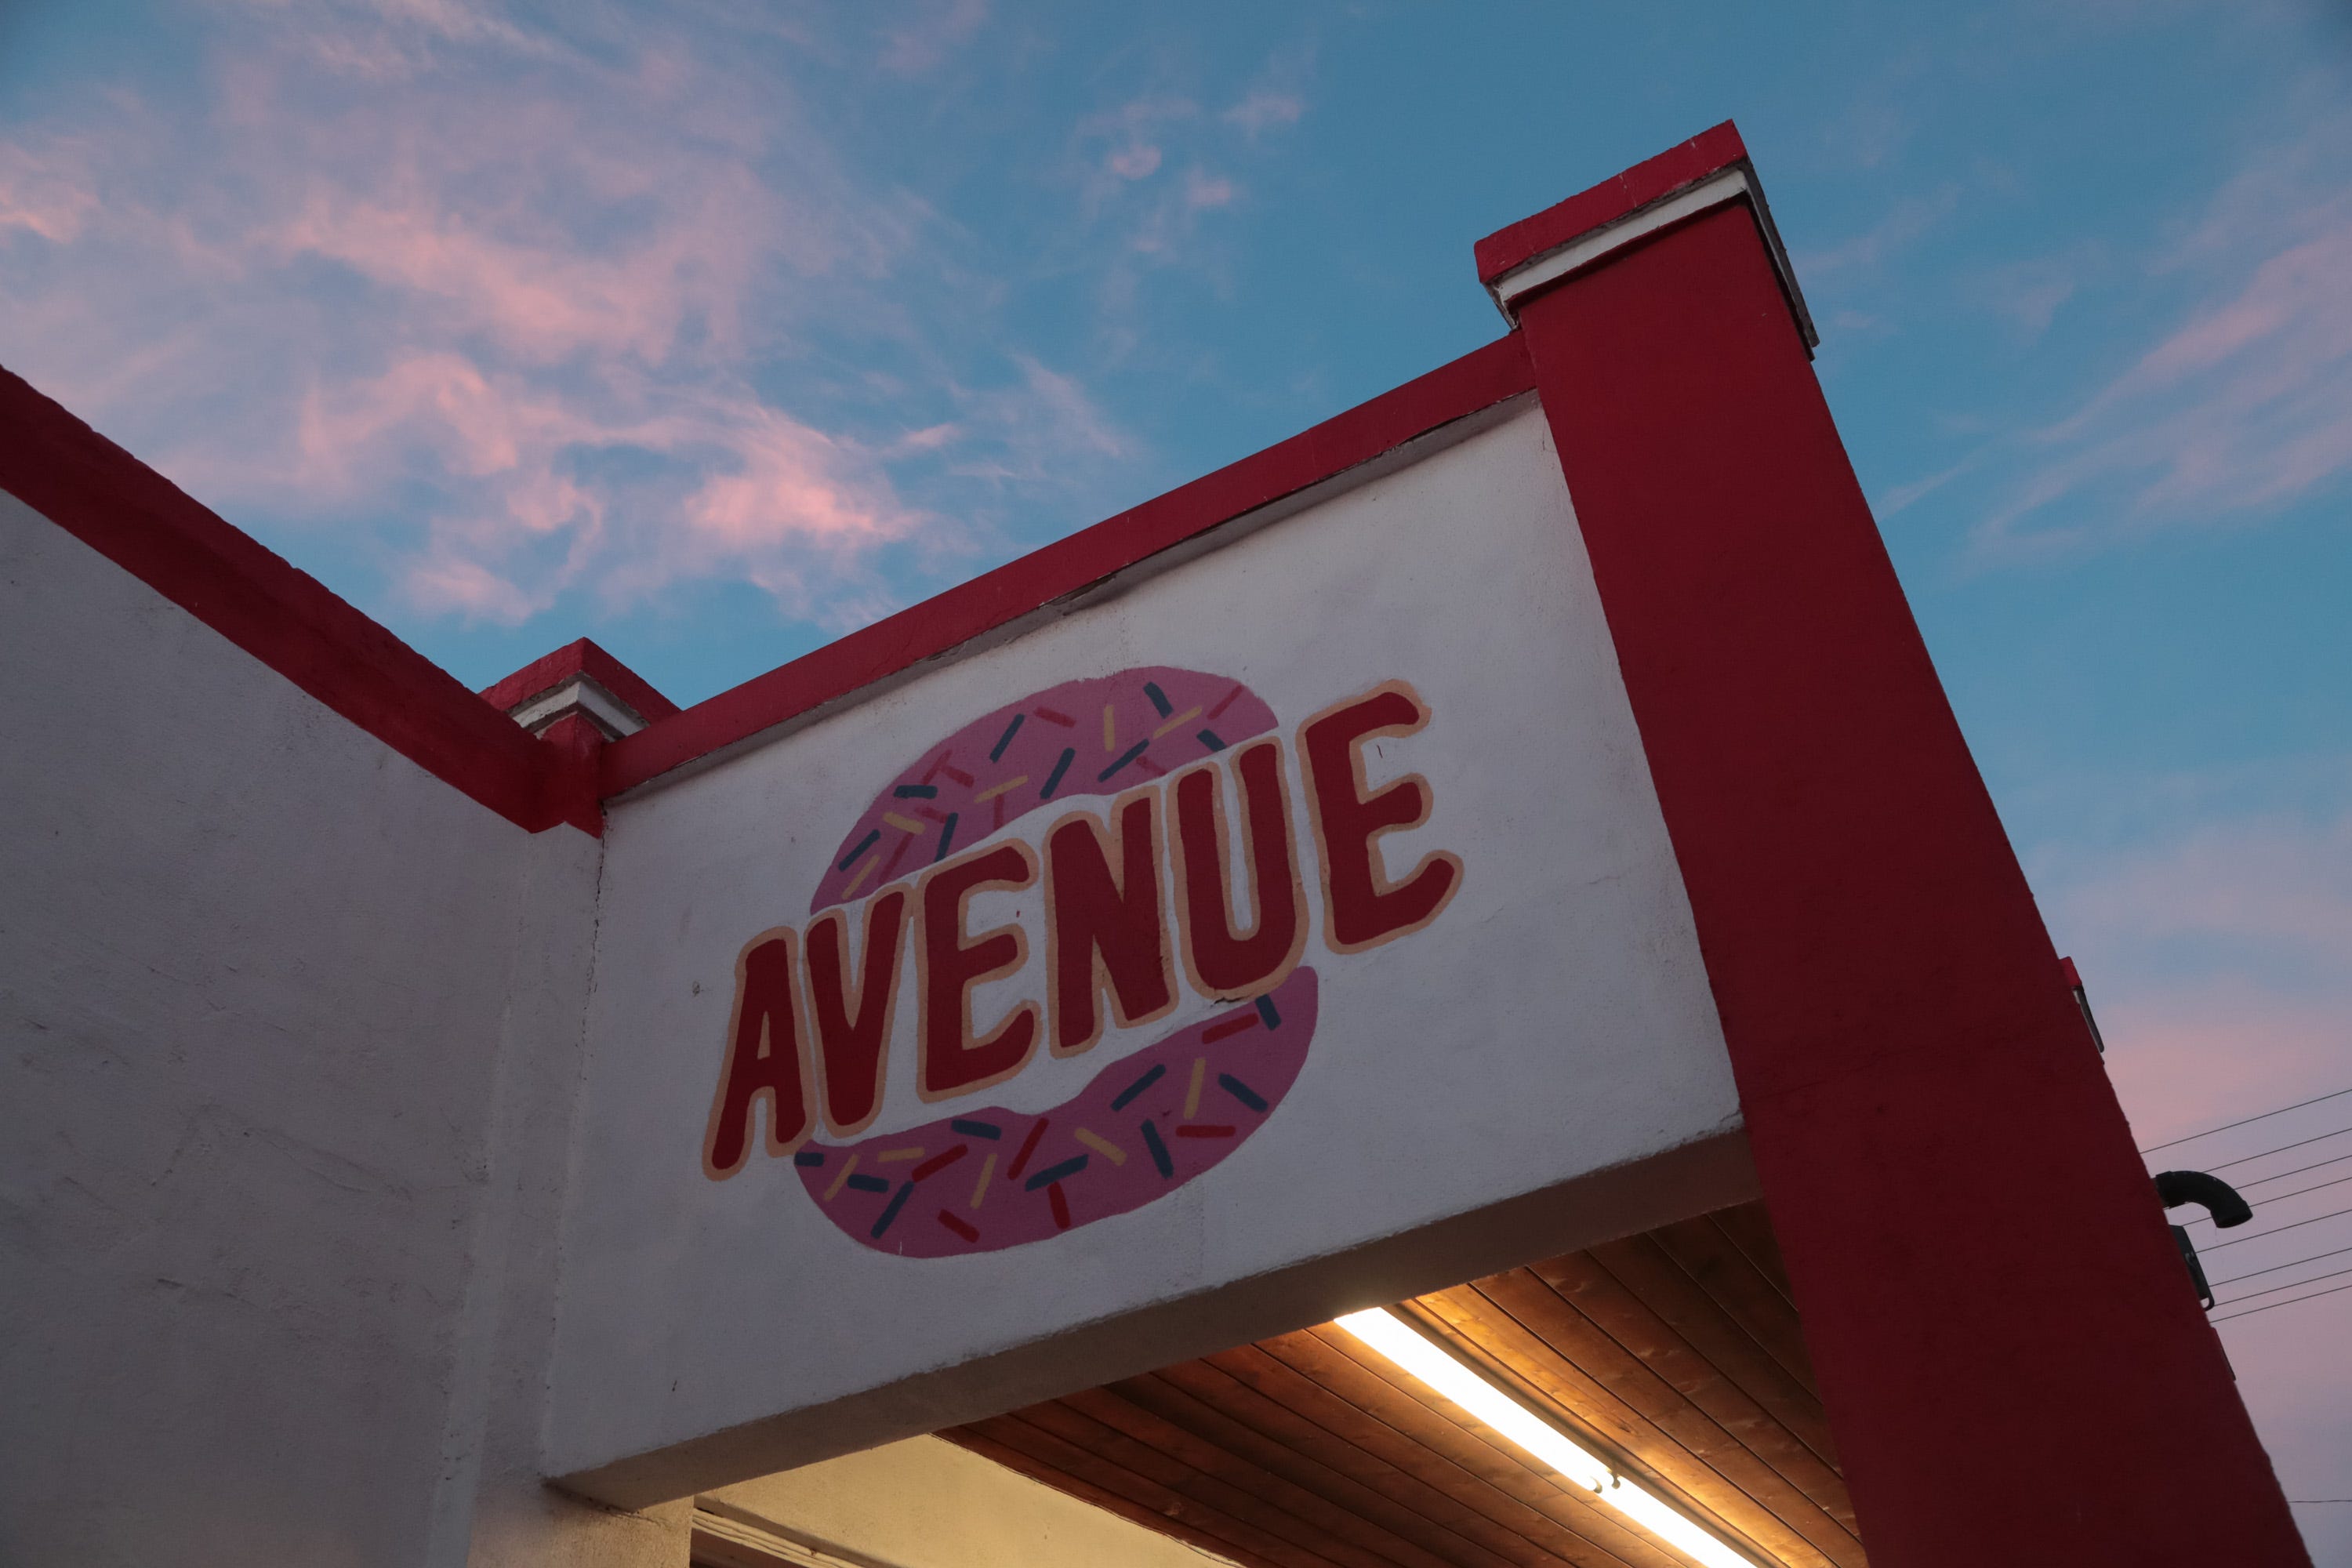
{"points": [[1554, 1023]]}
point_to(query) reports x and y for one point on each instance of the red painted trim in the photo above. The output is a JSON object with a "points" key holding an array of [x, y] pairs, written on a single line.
{"points": [[1477, 380], [2013, 1362], [142, 523], [1707, 153], [546, 673]]}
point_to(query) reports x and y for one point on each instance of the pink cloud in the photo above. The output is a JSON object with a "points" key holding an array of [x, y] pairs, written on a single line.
{"points": [[921, 48], [1136, 162], [1266, 110]]}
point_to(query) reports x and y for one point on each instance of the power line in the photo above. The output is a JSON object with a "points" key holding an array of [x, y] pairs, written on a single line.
{"points": [[2299, 1170], [2281, 1197], [2265, 1116], [2298, 1263], [2245, 1159], [2291, 1285], [2273, 1230], [2290, 1301]]}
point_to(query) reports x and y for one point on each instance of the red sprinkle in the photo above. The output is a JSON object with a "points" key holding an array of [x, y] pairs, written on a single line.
{"points": [[958, 1226], [1233, 1026], [1064, 720], [892, 864], [958, 774], [1205, 1129], [1028, 1147], [935, 767], [933, 811], [1149, 766], [1000, 811], [937, 1163], [1061, 1206], [1228, 702]]}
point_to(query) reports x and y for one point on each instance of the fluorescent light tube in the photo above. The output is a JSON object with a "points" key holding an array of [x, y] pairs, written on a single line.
{"points": [[1417, 1354]]}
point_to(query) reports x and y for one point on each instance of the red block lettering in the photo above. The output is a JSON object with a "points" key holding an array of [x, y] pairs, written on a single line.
{"points": [[952, 1061], [1361, 908], [1220, 959], [1105, 932], [852, 1034], [764, 1060]]}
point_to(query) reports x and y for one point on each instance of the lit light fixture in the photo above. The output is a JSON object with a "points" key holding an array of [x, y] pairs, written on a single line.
{"points": [[1389, 1335]]}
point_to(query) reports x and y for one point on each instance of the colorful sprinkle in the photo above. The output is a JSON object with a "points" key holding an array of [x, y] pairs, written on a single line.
{"points": [[1159, 1149], [1241, 1092], [946, 836], [1000, 811], [869, 1183], [1227, 700], [1178, 723], [1051, 717], [859, 880], [1137, 1087], [1192, 1090], [1266, 1010], [993, 791], [1061, 1208], [958, 774], [911, 1152], [808, 1157], [1028, 1147], [957, 1226], [979, 1187], [1101, 1145], [896, 854], [916, 792], [937, 1163], [1051, 1174], [972, 1129], [1233, 1026], [932, 814], [1111, 727], [997, 754], [891, 1213], [1159, 698], [1154, 768], [936, 766], [834, 1190], [1209, 739], [1131, 754], [1054, 779], [863, 846], [903, 824], [1205, 1129]]}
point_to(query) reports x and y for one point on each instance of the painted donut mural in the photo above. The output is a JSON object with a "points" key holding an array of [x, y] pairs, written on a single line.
{"points": [[1162, 791]]}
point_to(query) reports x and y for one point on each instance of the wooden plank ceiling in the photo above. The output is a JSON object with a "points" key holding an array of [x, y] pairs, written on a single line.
{"points": [[1676, 1355]]}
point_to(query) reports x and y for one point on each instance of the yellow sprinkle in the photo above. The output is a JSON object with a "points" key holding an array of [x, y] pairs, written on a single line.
{"points": [[1179, 722], [987, 1169], [858, 881], [840, 1176], [903, 824], [1192, 1095], [914, 1153], [993, 791], [1111, 727], [1101, 1145]]}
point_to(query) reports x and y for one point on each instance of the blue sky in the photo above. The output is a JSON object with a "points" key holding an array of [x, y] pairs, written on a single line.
{"points": [[714, 330]]}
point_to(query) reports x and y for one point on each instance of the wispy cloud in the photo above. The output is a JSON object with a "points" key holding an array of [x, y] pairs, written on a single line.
{"points": [[512, 304], [2241, 403]]}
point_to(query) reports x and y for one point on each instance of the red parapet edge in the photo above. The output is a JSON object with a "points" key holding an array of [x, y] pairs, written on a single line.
{"points": [[133, 516], [1478, 379], [1650, 181], [575, 658]]}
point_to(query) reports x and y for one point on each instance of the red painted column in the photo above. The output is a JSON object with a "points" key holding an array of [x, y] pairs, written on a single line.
{"points": [[2014, 1364]]}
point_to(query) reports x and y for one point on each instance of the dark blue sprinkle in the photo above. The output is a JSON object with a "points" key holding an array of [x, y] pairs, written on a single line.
{"points": [[869, 1183], [1132, 752], [1159, 1149], [1159, 698], [1054, 779], [1051, 1173], [808, 1157], [1240, 1090], [891, 1213], [1266, 1011], [917, 792], [1005, 740], [863, 846], [1209, 739], [946, 836], [1138, 1085], [976, 1129]]}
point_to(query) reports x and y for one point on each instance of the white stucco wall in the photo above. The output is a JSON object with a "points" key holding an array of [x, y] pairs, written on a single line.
{"points": [[1470, 1086], [289, 1031]]}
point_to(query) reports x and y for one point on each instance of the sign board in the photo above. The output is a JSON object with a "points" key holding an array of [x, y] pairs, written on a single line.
{"points": [[1303, 895]]}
